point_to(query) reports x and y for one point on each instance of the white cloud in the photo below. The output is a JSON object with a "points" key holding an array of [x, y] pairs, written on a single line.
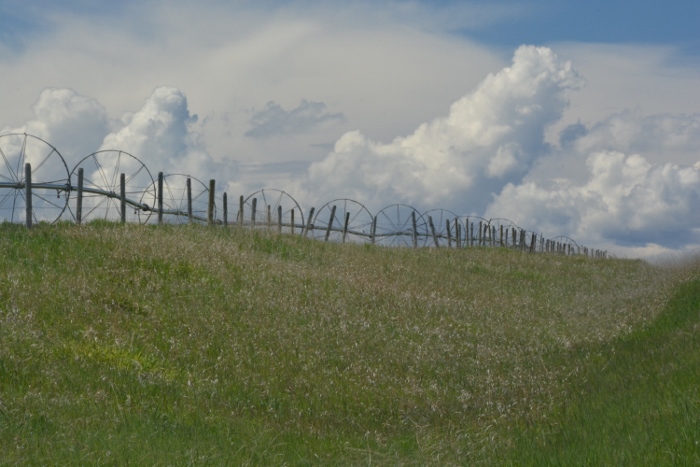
{"points": [[626, 202], [605, 161], [160, 135], [489, 137], [72, 123]]}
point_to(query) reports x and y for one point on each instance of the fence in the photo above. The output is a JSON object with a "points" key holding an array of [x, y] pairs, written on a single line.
{"points": [[36, 185]]}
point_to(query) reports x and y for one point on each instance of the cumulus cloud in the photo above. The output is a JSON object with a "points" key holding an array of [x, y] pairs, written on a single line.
{"points": [[488, 139], [72, 123], [626, 201], [160, 135], [308, 116]]}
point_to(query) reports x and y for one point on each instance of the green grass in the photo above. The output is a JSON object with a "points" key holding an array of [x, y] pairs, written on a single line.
{"points": [[172, 345]]}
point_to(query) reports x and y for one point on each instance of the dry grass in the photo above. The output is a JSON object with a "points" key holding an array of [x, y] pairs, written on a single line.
{"points": [[345, 351]]}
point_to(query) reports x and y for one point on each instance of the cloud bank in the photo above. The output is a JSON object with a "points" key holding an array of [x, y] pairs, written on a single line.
{"points": [[629, 182]]}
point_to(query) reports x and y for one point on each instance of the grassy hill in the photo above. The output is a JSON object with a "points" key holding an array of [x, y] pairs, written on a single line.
{"points": [[172, 345]]}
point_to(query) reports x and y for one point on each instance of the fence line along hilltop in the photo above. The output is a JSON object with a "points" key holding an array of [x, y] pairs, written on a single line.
{"points": [[36, 185]]}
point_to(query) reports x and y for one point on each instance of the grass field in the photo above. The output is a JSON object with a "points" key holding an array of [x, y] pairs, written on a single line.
{"points": [[188, 345]]}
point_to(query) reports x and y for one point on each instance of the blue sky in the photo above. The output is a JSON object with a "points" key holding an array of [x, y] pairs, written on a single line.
{"points": [[569, 118]]}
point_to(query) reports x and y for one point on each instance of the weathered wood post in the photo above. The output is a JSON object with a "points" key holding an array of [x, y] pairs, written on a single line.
{"points": [[210, 208], [160, 197], [291, 221], [225, 201], [122, 197], [415, 229], [458, 233], [279, 219], [467, 236], [252, 214], [533, 242], [79, 201], [310, 223], [449, 233], [269, 216], [189, 200], [432, 231], [241, 206], [373, 231], [28, 194], [330, 224], [345, 225]]}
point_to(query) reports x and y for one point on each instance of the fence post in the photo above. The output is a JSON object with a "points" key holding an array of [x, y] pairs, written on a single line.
{"points": [[279, 219], [458, 233], [309, 224], [225, 210], [252, 215], [241, 204], [373, 231], [432, 231], [330, 224], [415, 229], [467, 237], [189, 200], [210, 210], [28, 194], [292, 221], [449, 233], [345, 225], [79, 201], [160, 197], [122, 196], [533, 242]]}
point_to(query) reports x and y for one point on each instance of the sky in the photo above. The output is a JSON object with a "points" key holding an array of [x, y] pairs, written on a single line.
{"points": [[577, 119]]}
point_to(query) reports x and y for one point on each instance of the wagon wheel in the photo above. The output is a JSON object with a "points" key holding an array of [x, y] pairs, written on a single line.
{"points": [[442, 234], [395, 226], [49, 176], [175, 204], [267, 204], [359, 222], [102, 186]]}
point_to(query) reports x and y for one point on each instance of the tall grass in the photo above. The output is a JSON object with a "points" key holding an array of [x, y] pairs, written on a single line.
{"points": [[170, 345]]}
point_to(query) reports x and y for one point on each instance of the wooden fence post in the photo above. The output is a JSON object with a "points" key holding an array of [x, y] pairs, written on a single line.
{"points": [[122, 197], [252, 214], [279, 219], [449, 233], [415, 229], [432, 231], [533, 242], [28, 194], [309, 224], [225, 210], [292, 221], [330, 224], [79, 201], [210, 209], [458, 233], [160, 197], [373, 231], [269, 216], [241, 206], [345, 225], [189, 200]]}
